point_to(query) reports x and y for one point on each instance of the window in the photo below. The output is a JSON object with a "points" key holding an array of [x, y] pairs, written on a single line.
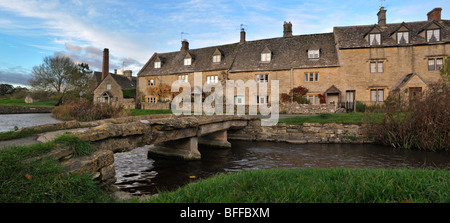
{"points": [[151, 100], [158, 64], [183, 77], [375, 39], [265, 57], [151, 82], [239, 100], [376, 67], [99, 99], [435, 64], [433, 35], [108, 86], [212, 79], [377, 95], [262, 99], [262, 78], [312, 76], [402, 37], [187, 61], [216, 58], [313, 54]]}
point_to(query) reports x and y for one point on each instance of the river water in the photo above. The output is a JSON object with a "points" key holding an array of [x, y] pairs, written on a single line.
{"points": [[138, 174], [9, 121]]}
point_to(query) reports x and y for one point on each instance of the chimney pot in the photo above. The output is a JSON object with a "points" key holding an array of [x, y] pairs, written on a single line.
{"points": [[434, 14], [242, 41], [184, 46], [127, 73], [105, 67], [287, 29], [381, 17]]}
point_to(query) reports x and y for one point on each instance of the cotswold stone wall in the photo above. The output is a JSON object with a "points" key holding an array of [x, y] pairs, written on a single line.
{"points": [[296, 108], [306, 133]]}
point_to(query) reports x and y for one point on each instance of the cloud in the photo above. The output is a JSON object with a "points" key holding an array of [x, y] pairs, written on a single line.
{"points": [[15, 76], [73, 48]]}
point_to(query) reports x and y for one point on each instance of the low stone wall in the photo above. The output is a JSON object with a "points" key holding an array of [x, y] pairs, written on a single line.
{"points": [[306, 133], [155, 106], [128, 103], [295, 108], [24, 109]]}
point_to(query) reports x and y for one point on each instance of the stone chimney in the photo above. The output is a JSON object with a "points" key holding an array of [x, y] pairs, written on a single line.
{"points": [[287, 29], [381, 17], [105, 67], [184, 46], [435, 14], [127, 73], [242, 41]]}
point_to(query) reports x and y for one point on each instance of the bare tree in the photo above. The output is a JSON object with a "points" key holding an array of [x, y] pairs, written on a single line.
{"points": [[54, 74]]}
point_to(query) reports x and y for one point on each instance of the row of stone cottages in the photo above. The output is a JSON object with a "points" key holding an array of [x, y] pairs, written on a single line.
{"points": [[353, 63]]}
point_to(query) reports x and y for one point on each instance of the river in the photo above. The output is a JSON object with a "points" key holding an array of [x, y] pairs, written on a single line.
{"points": [[9, 121], [138, 174]]}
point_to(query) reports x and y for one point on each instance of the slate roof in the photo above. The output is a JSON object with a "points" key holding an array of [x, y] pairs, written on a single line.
{"points": [[121, 80], [354, 36], [287, 53]]}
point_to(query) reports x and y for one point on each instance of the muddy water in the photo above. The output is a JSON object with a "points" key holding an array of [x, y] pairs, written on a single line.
{"points": [[9, 121], [141, 175]]}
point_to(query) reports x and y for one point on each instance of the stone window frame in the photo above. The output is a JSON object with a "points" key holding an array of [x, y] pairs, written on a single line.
{"points": [[315, 76], [435, 66], [151, 100], [108, 86], [377, 68], [212, 79], [377, 95], [151, 82], [183, 77], [261, 100], [216, 58], [315, 98], [262, 78]]}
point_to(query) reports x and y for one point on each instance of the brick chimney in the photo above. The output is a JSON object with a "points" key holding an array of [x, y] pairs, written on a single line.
{"points": [[184, 46], [105, 67], [242, 41], [381, 17], [435, 14], [287, 29]]}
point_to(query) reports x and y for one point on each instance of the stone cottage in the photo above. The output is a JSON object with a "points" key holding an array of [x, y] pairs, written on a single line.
{"points": [[114, 88], [353, 63]]}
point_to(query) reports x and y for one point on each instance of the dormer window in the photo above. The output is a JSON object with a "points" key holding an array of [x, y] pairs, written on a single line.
{"points": [[402, 37], [157, 64], [374, 39], [266, 55], [313, 54], [187, 61], [433, 35], [216, 58]]}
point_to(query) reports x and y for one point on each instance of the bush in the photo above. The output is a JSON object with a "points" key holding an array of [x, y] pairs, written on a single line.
{"points": [[84, 110], [423, 123]]}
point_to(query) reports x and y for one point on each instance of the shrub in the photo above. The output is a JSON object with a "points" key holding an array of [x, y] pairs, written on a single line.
{"points": [[423, 123], [360, 106], [84, 110]]}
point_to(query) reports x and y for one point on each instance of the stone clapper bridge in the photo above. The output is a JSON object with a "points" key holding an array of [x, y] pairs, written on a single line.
{"points": [[169, 137]]}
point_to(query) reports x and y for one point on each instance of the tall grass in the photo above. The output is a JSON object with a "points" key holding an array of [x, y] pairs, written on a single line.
{"points": [[423, 123], [85, 110]]}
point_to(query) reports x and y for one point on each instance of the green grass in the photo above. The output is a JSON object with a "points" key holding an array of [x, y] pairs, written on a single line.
{"points": [[345, 118], [137, 112], [44, 181], [317, 186], [21, 102]]}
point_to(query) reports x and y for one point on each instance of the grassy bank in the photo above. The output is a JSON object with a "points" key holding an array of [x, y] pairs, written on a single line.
{"points": [[21, 102], [318, 186], [137, 112], [344, 118], [44, 181]]}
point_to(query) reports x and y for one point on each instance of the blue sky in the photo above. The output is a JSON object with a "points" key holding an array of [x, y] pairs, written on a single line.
{"points": [[134, 30]]}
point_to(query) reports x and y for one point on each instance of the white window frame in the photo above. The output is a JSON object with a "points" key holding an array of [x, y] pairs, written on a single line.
{"points": [[187, 61], [239, 100], [435, 32], [108, 86], [151, 82], [313, 54], [217, 58], [266, 57], [262, 99], [439, 63], [376, 37], [262, 78], [312, 76], [213, 79], [376, 95], [183, 77], [404, 34], [376, 67], [157, 65]]}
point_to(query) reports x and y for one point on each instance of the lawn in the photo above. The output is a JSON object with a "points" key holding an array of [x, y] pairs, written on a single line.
{"points": [[137, 112], [345, 118], [21, 102]]}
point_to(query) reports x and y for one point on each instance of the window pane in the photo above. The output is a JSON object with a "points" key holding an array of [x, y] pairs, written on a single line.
{"points": [[373, 95], [439, 64], [380, 67], [436, 34], [373, 67], [311, 76], [306, 77], [317, 76], [216, 79], [380, 95], [431, 64]]}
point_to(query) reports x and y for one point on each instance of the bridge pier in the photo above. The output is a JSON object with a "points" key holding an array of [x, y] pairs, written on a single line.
{"points": [[186, 148], [216, 139]]}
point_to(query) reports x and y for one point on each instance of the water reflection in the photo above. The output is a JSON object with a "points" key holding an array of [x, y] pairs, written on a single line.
{"points": [[140, 175]]}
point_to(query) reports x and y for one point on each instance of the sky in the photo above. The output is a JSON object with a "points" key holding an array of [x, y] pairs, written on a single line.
{"points": [[133, 30]]}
